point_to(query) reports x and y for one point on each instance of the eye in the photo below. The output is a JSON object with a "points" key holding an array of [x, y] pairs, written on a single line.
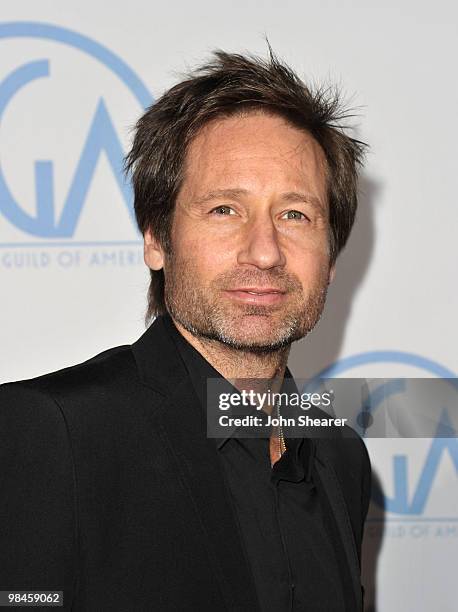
{"points": [[222, 210], [297, 214]]}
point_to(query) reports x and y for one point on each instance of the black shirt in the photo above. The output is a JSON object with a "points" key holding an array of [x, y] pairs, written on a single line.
{"points": [[288, 544]]}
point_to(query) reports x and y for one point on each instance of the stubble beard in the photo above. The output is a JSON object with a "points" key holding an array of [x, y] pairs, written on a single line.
{"points": [[207, 314]]}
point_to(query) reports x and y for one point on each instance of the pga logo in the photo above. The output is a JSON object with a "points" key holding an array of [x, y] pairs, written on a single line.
{"points": [[66, 107], [412, 492]]}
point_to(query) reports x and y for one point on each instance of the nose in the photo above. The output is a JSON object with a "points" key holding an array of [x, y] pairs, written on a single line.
{"points": [[260, 245]]}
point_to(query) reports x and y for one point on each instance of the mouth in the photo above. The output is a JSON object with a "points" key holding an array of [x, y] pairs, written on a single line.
{"points": [[257, 295]]}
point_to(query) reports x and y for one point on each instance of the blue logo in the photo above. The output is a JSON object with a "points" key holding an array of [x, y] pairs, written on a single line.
{"points": [[101, 138], [409, 498]]}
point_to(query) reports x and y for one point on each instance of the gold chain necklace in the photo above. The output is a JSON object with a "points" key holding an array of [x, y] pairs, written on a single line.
{"points": [[281, 437]]}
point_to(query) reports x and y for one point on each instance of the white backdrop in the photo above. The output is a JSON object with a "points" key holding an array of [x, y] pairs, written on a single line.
{"points": [[75, 76]]}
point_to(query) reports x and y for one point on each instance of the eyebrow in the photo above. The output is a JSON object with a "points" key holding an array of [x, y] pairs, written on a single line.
{"points": [[290, 196]]}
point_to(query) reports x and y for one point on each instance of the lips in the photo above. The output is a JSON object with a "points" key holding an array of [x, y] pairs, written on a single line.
{"points": [[258, 290], [257, 295]]}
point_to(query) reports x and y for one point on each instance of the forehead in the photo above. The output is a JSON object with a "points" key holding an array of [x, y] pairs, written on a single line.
{"points": [[256, 150]]}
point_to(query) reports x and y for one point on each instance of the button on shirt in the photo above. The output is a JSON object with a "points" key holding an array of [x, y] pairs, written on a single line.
{"points": [[288, 542]]}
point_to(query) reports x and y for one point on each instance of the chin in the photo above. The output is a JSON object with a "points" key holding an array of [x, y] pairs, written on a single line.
{"points": [[256, 345], [259, 336]]}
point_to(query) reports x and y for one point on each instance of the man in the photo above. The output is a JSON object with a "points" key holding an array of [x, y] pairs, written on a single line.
{"points": [[245, 193]]}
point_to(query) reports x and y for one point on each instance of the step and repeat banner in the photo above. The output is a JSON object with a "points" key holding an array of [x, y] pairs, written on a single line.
{"points": [[74, 78]]}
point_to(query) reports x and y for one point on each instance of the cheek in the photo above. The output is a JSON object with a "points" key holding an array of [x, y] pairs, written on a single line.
{"points": [[311, 264], [205, 255]]}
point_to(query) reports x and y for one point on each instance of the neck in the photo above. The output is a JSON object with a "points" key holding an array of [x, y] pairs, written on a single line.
{"points": [[235, 364]]}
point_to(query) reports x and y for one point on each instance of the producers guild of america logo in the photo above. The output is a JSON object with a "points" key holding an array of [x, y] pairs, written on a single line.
{"points": [[415, 493], [67, 104]]}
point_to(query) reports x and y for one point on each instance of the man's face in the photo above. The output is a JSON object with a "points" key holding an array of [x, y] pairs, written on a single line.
{"points": [[249, 264]]}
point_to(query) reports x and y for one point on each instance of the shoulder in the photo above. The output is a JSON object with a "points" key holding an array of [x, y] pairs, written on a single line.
{"points": [[104, 369], [37, 402], [47, 421], [345, 451], [347, 448]]}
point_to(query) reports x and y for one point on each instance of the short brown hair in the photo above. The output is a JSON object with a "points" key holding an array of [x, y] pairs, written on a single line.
{"points": [[231, 84]]}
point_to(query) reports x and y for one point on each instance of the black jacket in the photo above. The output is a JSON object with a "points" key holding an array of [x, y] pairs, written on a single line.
{"points": [[111, 492]]}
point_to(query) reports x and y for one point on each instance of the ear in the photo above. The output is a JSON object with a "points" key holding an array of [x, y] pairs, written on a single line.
{"points": [[332, 272], [152, 251]]}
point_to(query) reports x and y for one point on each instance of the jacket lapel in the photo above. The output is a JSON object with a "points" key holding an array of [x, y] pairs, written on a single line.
{"points": [[333, 491], [330, 487], [198, 464]]}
